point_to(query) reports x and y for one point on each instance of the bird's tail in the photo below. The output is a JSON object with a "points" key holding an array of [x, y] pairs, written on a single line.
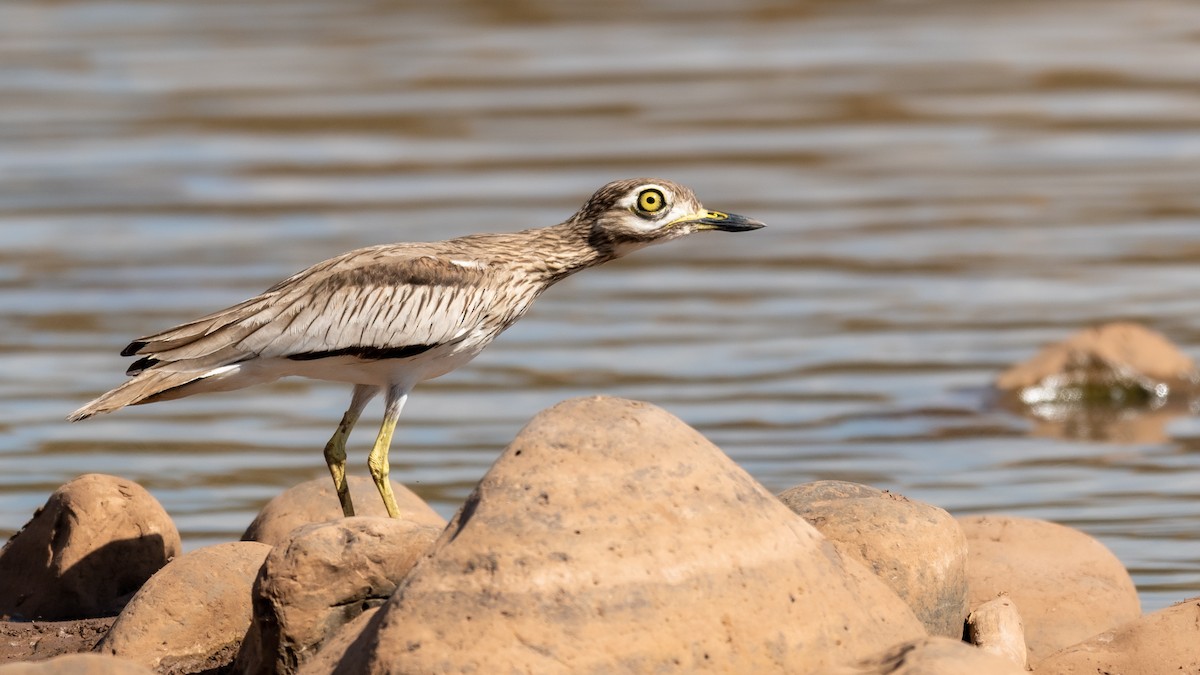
{"points": [[146, 387]]}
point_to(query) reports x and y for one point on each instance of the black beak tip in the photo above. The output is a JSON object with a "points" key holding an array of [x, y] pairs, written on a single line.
{"points": [[735, 223]]}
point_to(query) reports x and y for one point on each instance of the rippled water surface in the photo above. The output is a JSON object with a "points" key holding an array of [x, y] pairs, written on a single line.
{"points": [[948, 186]]}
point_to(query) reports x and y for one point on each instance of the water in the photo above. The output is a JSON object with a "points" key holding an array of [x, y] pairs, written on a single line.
{"points": [[948, 186]]}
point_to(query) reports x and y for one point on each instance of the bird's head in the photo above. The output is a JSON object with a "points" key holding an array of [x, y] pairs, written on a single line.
{"points": [[626, 215]]}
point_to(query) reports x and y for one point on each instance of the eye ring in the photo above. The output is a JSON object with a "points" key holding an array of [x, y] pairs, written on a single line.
{"points": [[651, 201]]}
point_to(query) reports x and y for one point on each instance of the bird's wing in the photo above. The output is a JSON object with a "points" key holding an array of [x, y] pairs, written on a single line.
{"points": [[371, 303]]}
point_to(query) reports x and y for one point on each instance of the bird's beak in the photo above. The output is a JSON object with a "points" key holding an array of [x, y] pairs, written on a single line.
{"points": [[717, 220]]}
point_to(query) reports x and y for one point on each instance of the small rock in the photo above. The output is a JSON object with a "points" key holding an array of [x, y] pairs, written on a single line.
{"points": [[324, 577], [996, 628], [1166, 641], [933, 656], [94, 543], [611, 537], [916, 549], [1067, 584], [193, 614], [1116, 365], [316, 501], [77, 664]]}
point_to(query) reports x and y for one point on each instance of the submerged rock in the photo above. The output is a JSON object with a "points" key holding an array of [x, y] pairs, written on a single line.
{"points": [[611, 537], [1102, 383], [84, 553]]}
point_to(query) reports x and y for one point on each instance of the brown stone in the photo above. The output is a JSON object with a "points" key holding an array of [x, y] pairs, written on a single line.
{"points": [[353, 638], [193, 614], [1113, 347], [94, 543], [1067, 584], [933, 656], [996, 628], [916, 549], [315, 501], [77, 664], [1166, 641], [323, 577], [611, 537]]}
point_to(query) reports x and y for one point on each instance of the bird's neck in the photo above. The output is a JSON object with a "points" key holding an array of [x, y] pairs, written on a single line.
{"points": [[561, 250]]}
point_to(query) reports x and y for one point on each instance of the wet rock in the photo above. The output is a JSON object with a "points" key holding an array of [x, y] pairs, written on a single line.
{"points": [[609, 536], [996, 628], [933, 656], [1118, 381], [315, 501], [1067, 584], [916, 549], [1166, 641], [77, 664], [323, 577], [192, 615], [96, 541], [1101, 356]]}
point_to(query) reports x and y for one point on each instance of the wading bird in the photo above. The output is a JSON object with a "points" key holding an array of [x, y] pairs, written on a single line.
{"points": [[384, 318]]}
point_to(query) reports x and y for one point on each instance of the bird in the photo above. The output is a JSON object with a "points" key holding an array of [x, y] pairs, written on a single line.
{"points": [[387, 317]]}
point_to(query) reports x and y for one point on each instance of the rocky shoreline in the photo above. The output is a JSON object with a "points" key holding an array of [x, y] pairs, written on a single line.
{"points": [[608, 537]]}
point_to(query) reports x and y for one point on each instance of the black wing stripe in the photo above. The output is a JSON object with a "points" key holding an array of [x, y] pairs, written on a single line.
{"points": [[367, 353]]}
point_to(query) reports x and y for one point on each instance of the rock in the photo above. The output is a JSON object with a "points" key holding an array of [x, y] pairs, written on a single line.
{"points": [[325, 576], [315, 501], [1067, 584], [1166, 641], [916, 549], [94, 543], [933, 656], [193, 614], [1097, 354], [996, 628], [77, 664], [353, 638], [41, 640], [610, 536]]}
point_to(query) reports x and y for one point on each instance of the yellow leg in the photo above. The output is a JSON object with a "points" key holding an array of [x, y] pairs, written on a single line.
{"points": [[377, 461], [335, 449]]}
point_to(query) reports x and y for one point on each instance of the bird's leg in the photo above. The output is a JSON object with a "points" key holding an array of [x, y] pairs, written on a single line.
{"points": [[377, 461], [335, 449]]}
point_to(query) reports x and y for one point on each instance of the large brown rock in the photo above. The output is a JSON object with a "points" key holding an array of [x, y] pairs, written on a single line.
{"points": [[611, 537], [192, 615], [316, 501], [916, 549], [94, 543], [1067, 585], [1166, 641], [933, 656], [77, 664], [325, 576]]}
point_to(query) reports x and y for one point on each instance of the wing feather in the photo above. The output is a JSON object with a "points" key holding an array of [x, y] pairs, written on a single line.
{"points": [[377, 302]]}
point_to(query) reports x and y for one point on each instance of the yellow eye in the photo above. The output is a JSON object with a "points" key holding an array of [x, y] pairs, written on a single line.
{"points": [[651, 201]]}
